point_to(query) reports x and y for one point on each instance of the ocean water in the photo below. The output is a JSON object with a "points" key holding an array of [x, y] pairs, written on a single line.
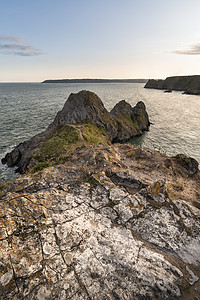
{"points": [[28, 108]]}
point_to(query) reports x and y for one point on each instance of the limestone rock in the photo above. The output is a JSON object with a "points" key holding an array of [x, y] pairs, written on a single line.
{"points": [[21, 155], [86, 108], [132, 121], [101, 231], [140, 116]]}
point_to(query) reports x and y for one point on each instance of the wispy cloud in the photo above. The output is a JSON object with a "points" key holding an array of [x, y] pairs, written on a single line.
{"points": [[10, 38], [194, 50], [17, 48]]}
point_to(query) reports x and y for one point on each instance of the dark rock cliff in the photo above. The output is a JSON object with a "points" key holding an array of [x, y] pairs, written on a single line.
{"points": [[85, 107], [188, 84]]}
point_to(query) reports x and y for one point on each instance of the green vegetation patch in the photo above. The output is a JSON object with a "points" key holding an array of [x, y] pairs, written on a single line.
{"points": [[40, 166], [126, 121], [54, 149], [135, 120], [64, 136], [94, 135]]}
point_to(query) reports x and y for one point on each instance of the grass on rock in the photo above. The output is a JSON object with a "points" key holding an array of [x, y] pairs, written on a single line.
{"points": [[94, 135], [57, 145]]}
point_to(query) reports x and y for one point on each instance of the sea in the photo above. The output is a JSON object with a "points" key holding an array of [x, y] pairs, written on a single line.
{"points": [[27, 108]]}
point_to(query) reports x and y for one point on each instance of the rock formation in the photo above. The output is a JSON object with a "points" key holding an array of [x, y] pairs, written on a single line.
{"points": [[188, 84], [96, 220], [135, 120], [84, 107], [112, 222]]}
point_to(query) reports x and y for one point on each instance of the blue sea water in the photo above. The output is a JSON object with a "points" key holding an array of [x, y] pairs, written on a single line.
{"points": [[28, 108]]}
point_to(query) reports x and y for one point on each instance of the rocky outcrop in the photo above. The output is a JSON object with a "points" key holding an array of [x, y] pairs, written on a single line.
{"points": [[21, 155], [112, 222], [154, 84], [85, 107], [96, 220], [188, 84], [133, 120]]}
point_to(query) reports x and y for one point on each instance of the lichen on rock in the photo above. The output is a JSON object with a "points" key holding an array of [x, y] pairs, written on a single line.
{"points": [[101, 226]]}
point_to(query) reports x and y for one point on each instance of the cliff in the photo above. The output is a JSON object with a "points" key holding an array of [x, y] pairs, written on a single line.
{"points": [[188, 84], [89, 80], [82, 114]]}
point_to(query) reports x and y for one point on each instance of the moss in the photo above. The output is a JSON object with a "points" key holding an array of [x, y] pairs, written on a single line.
{"points": [[94, 135], [93, 182]]}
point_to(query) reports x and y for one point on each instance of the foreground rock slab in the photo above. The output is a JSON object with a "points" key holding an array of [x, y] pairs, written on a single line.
{"points": [[113, 222]]}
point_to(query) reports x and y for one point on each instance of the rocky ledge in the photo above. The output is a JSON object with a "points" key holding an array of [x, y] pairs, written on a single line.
{"points": [[96, 220], [187, 84], [112, 222], [86, 109]]}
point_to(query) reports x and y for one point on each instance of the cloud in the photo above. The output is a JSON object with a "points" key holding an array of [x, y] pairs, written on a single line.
{"points": [[21, 53], [17, 48], [195, 50], [10, 39]]}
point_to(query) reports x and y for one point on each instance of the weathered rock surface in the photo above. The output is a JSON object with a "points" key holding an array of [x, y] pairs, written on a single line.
{"points": [[188, 84], [134, 119], [83, 107], [112, 222], [21, 155]]}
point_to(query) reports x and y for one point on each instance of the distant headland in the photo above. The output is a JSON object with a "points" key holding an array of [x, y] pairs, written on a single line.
{"points": [[89, 80], [187, 84]]}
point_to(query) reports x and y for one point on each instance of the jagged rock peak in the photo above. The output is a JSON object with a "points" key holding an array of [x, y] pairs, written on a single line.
{"points": [[86, 106], [132, 121], [81, 109], [120, 108]]}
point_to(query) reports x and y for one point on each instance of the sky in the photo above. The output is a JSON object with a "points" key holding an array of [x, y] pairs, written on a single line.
{"points": [[53, 39]]}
